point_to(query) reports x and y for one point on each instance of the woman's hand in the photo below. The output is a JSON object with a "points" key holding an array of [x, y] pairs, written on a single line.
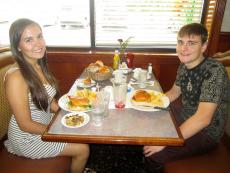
{"points": [[54, 106], [150, 150]]}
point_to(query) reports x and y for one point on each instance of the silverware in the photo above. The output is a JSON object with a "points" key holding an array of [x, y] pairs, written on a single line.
{"points": [[151, 83], [156, 107], [161, 108]]}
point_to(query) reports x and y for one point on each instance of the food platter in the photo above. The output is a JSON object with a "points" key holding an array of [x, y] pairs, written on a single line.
{"points": [[64, 101], [75, 120], [161, 100]]}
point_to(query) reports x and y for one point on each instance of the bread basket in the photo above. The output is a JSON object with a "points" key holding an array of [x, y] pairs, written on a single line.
{"points": [[100, 76]]}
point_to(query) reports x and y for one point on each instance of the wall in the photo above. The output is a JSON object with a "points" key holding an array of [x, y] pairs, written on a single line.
{"points": [[224, 35], [68, 65], [225, 23]]}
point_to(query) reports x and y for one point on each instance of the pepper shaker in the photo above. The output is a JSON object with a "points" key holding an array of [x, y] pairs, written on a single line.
{"points": [[150, 71]]}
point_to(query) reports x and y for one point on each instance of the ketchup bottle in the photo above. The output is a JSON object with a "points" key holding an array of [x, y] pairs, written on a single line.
{"points": [[130, 57]]}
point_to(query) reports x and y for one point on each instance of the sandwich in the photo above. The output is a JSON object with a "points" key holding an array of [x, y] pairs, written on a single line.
{"points": [[147, 98], [142, 96], [78, 103]]}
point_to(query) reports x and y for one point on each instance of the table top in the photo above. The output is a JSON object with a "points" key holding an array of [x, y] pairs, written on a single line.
{"points": [[121, 126]]}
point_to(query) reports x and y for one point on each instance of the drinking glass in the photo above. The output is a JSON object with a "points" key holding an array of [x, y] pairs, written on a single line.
{"points": [[98, 110], [119, 94], [142, 78], [106, 97]]}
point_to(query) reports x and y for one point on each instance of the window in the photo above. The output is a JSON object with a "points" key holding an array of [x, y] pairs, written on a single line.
{"points": [[64, 22], [67, 23], [153, 23]]}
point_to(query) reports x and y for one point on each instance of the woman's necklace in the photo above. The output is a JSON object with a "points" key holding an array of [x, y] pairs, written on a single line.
{"points": [[189, 85]]}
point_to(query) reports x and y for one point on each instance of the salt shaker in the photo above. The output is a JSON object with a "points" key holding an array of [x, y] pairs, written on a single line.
{"points": [[150, 71]]}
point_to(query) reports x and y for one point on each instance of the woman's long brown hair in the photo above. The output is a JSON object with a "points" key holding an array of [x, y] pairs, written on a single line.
{"points": [[37, 90]]}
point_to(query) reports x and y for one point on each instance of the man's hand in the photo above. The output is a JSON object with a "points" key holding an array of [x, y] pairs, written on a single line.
{"points": [[150, 150]]}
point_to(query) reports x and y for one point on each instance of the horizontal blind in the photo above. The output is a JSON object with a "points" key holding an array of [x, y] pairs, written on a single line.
{"points": [[153, 23]]}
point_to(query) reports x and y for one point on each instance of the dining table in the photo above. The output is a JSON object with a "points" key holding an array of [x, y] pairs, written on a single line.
{"points": [[128, 125]]}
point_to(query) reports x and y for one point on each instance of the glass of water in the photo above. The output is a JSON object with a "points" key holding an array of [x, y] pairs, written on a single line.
{"points": [[142, 79], [106, 97], [98, 110]]}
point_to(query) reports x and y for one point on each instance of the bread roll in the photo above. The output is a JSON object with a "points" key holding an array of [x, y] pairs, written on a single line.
{"points": [[100, 63], [142, 96]]}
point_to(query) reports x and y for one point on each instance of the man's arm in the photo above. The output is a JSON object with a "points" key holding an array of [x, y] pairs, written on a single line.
{"points": [[190, 127], [173, 93], [199, 120]]}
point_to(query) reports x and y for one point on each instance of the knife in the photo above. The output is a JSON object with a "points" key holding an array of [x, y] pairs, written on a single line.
{"points": [[156, 107]]}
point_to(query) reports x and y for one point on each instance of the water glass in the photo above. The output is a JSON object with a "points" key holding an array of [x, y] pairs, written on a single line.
{"points": [[142, 78], [106, 97], [98, 110], [119, 94]]}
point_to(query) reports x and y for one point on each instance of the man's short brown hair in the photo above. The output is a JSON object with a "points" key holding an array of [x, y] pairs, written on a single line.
{"points": [[194, 29]]}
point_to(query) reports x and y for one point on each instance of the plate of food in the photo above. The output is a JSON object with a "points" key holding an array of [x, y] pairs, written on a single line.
{"points": [[79, 101], [86, 82], [75, 120], [148, 100]]}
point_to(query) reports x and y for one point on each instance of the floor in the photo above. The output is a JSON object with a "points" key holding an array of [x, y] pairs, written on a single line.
{"points": [[116, 158]]}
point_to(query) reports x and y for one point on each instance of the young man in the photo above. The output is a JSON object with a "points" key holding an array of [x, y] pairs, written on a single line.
{"points": [[204, 87]]}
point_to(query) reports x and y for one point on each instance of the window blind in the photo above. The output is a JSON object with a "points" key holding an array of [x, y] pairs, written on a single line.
{"points": [[152, 23]]}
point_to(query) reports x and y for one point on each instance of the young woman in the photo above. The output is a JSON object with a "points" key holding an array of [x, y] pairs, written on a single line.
{"points": [[31, 91]]}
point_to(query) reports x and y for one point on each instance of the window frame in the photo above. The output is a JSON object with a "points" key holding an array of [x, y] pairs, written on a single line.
{"points": [[213, 33]]}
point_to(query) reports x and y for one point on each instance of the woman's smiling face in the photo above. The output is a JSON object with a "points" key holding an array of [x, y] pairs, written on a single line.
{"points": [[190, 50], [32, 44]]}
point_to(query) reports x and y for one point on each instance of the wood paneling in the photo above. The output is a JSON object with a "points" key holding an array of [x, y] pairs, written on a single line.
{"points": [[68, 65], [216, 27], [224, 42]]}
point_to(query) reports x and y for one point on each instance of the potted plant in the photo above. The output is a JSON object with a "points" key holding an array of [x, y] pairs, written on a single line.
{"points": [[123, 47]]}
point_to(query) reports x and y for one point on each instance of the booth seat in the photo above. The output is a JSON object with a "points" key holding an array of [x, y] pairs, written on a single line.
{"points": [[216, 161], [10, 163]]}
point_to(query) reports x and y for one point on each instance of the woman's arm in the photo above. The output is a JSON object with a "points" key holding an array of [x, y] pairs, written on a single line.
{"points": [[17, 96]]}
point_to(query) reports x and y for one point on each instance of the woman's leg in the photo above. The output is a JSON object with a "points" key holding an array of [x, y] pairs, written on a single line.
{"points": [[79, 153]]}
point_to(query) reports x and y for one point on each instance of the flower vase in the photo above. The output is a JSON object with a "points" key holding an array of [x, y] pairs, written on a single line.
{"points": [[123, 56]]}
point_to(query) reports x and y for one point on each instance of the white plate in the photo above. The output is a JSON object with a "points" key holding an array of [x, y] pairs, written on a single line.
{"points": [[86, 119], [63, 103], [164, 99], [81, 84]]}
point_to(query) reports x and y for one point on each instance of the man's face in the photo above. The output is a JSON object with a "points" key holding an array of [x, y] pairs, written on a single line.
{"points": [[190, 50]]}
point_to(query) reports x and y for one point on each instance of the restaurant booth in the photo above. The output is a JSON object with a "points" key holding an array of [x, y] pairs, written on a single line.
{"points": [[72, 64]]}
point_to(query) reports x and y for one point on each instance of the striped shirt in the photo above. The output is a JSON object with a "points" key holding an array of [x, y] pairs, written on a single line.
{"points": [[30, 145]]}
